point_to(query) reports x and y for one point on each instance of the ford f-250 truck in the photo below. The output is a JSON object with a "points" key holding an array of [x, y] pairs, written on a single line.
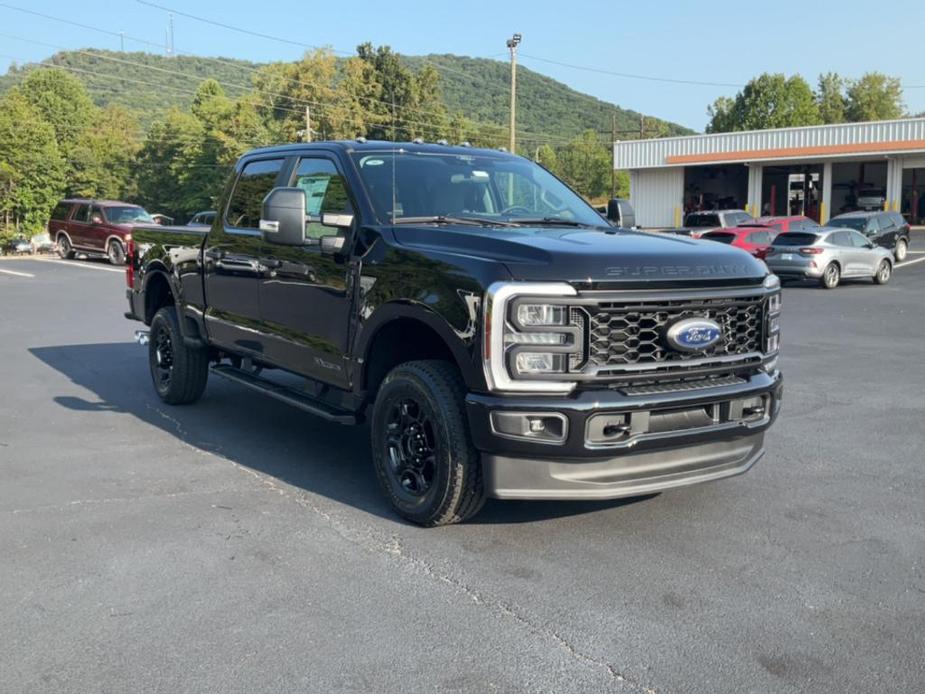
{"points": [[501, 337]]}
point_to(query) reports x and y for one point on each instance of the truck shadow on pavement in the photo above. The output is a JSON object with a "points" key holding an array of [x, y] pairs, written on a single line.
{"points": [[257, 432]]}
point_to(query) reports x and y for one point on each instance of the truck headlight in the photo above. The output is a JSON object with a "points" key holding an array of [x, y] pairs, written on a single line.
{"points": [[772, 325], [532, 339]]}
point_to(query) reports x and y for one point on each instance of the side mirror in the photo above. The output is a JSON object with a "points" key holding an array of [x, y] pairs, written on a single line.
{"points": [[282, 217], [620, 212]]}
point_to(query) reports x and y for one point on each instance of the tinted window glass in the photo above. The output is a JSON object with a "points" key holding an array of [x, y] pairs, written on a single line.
{"points": [[858, 240], [873, 225], [702, 219], [897, 219], [81, 214], [849, 222], [796, 239], [60, 211], [97, 212], [886, 221], [256, 180], [325, 191], [722, 238]]}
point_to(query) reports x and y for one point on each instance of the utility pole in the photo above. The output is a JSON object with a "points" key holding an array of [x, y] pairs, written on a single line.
{"points": [[512, 44], [613, 155], [308, 123], [122, 41], [642, 127], [170, 50]]}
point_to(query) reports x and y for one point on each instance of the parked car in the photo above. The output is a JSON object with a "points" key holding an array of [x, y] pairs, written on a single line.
{"points": [[871, 198], [479, 325], [782, 225], [696, 224], [202, 219], [17, 245], [887, 229], [42, 243], [752, 238], [828, 255], [95, 227]]}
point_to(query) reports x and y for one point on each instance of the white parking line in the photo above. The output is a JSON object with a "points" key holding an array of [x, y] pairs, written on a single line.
{"points": [[909, 262], [86, 266], [17, 274]]}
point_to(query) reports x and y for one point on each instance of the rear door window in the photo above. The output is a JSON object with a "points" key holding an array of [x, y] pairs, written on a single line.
{"points": [[81, 214], [873, 225], [702, 219], [841, 238], [256, 179]]}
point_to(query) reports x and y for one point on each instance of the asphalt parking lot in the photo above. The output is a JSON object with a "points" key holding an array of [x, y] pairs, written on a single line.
{"points": [[240, 546]]}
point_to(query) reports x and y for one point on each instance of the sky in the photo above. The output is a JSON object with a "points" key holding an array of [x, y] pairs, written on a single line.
{"points": [[718, 42]]}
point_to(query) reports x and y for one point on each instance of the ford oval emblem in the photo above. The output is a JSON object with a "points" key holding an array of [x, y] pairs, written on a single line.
{"points": [[694, 334]]}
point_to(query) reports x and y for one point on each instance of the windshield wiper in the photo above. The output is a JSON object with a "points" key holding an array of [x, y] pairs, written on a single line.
{"points": [[449, 219], [552, 221]]}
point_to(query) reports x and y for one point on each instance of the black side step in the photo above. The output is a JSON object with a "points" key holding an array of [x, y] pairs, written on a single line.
{"points": [[290, 396]]}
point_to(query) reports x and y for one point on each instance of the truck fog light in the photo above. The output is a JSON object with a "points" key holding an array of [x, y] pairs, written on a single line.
{"points": [[539, 363], [545, 427]]}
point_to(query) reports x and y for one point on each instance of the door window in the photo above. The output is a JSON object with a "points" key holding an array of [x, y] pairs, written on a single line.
{"points": [[257, 178], [325, 192], [82, 214], [841, 238], [59, 214], [858, 239], [873, 226]]}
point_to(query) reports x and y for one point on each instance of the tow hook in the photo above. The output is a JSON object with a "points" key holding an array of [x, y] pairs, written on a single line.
{"points": [[142, 336]]}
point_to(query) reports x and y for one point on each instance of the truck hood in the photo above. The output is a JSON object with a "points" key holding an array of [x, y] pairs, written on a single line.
{"points": [[587, 255]]}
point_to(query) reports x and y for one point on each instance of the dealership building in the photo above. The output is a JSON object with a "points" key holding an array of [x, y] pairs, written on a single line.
{"points": [[819, 171]]}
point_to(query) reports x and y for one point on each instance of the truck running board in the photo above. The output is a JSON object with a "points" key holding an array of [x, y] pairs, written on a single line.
{"points": [[285, 394]]}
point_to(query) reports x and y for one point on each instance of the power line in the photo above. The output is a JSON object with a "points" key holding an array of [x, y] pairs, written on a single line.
{"points": [[628, 75]]}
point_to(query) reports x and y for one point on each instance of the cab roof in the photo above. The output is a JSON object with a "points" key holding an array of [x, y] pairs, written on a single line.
{"points": [[364, 145]]}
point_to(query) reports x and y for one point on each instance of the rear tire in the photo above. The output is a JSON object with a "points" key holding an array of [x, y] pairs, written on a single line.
{"points": [[901, 250], [65, 250], [831, 276], [882, 276], [422, 451], [115, 252], [179, 372]]}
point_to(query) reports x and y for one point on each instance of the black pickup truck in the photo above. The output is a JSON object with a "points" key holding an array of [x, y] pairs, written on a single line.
{"points": [[503, 339]]}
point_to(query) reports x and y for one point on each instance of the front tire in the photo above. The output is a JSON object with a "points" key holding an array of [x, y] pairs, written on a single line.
{"points": [[882, 276], [179, 372], [422, 452], [831, 276], [65, 250], [115, 252], [901, 250]]}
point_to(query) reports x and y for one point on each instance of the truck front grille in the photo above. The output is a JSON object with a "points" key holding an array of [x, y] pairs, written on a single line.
{"points": [[630, 336]]}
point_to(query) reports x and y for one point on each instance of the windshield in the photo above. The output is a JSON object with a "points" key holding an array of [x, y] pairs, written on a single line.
{"points": [[856, 223], [127, 215], [702, 219], [490, 189]]}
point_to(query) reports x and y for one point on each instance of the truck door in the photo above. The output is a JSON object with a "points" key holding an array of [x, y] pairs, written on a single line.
{"points": [[304, 294], [231, 261], [78, 227]]}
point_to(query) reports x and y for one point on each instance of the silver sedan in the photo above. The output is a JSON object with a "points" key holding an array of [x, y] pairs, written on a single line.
{"points": [[828, 255]]}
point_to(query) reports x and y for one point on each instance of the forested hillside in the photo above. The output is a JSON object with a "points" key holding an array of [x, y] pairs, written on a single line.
{"points": [[476, 87]]}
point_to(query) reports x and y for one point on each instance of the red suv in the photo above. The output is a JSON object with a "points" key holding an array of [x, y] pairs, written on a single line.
{"points": [[95, 227]]}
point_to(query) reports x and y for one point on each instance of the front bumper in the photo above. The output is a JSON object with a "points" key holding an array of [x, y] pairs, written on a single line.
{"points": [[580, 468]]}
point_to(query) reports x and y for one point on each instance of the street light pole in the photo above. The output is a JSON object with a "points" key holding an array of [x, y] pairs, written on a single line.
{"points": [[512, 44]]}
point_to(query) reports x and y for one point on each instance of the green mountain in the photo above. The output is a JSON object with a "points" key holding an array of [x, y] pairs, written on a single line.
{"points": [[477, 87]]}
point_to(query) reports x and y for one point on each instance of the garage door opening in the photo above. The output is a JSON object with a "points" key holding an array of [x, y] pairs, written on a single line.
{"points": [[858, 186], [715, 188], [791, 190], [913, 207]]}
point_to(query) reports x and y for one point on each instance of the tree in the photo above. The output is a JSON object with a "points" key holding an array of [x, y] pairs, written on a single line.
{"points": [[31, 165], [63, 102], [768, 101], [103, 158], [874, 97], [585, 165], [831, 98]]}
